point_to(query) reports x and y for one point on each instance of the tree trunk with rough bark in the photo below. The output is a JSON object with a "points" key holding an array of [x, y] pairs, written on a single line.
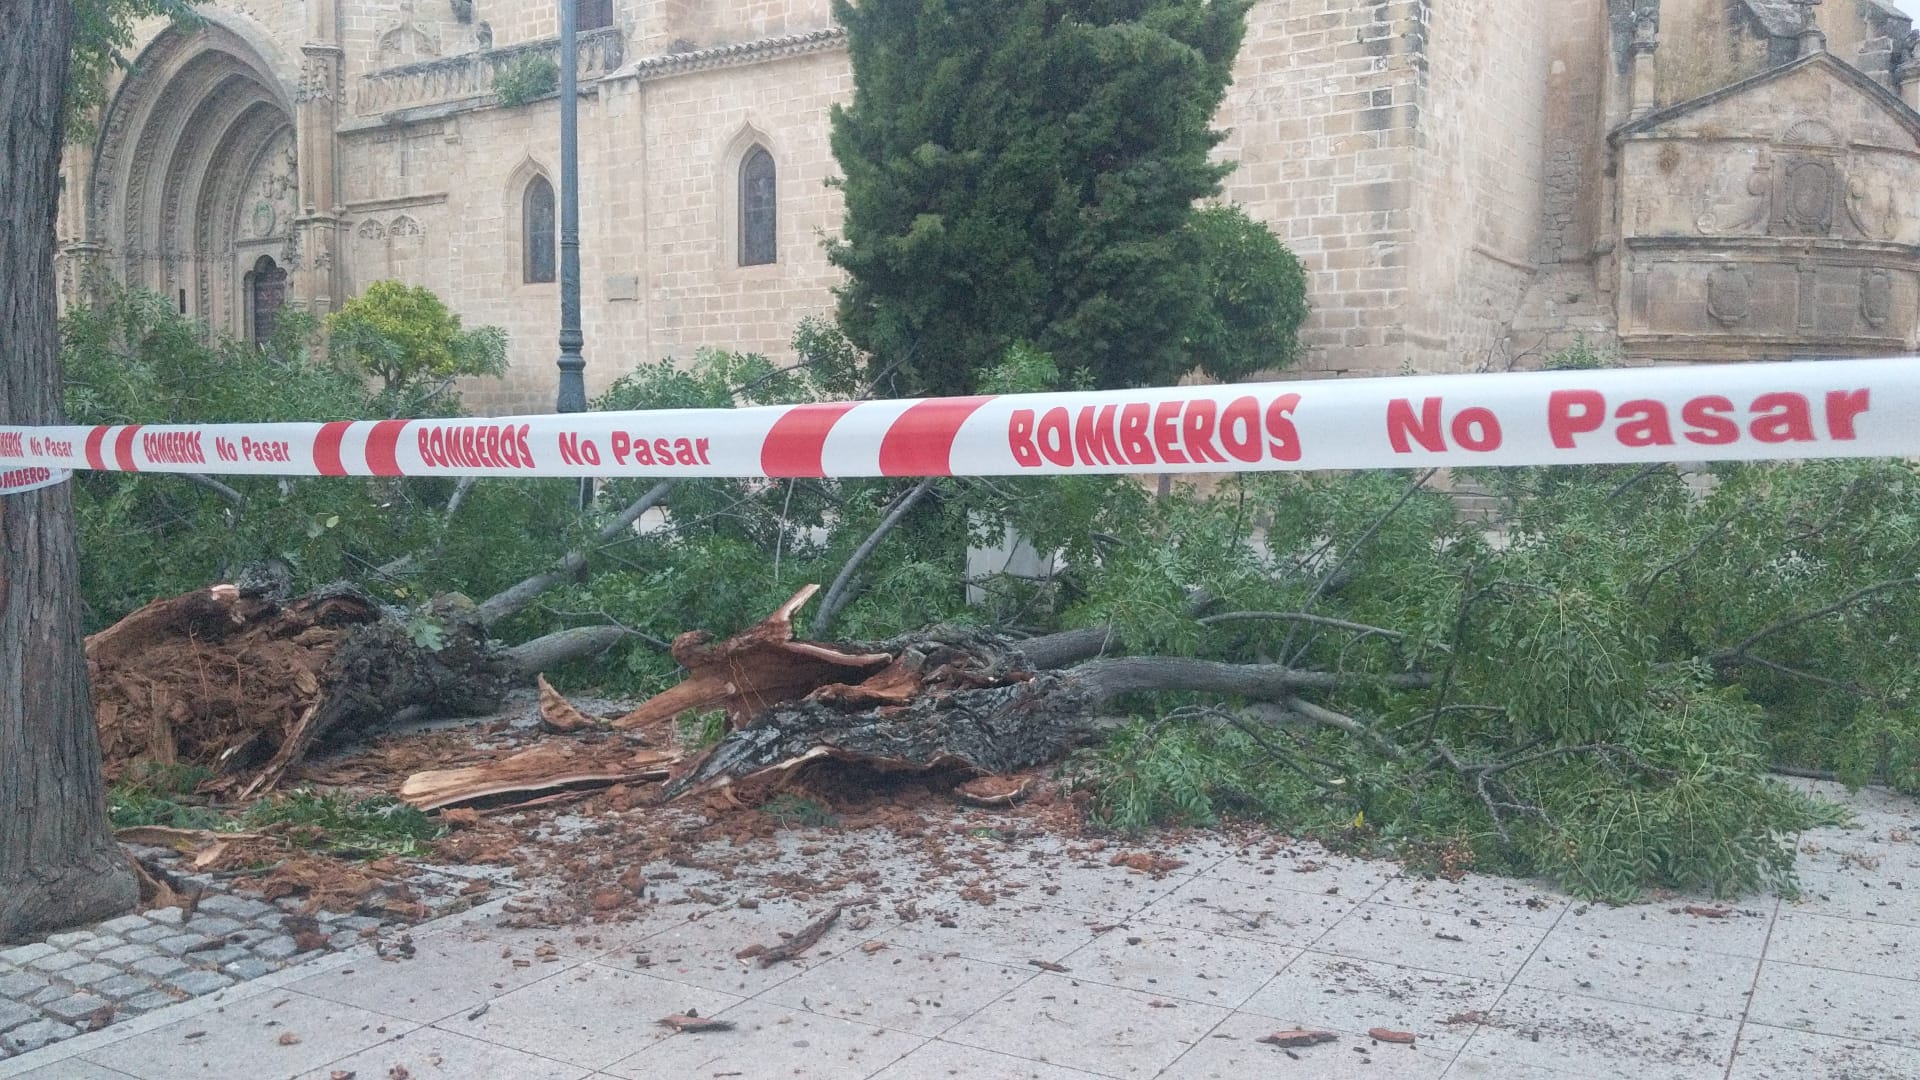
{"points": [[58, 862]]}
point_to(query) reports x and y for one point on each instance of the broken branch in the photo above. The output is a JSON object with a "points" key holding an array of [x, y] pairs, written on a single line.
{"points": [[1784, 625], [807, 938], [837, 592], [233, 498], [515, 599]]}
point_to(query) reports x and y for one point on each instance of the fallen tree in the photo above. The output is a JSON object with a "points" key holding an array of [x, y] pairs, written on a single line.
{"points": [[1589, 698], [1594, 690]]}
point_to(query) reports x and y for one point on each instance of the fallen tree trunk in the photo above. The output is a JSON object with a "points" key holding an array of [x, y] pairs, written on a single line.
{"points": [[1019, 720], [957, 700]]}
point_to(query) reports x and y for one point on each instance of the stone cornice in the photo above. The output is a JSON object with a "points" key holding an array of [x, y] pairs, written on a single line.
{"points": [[739, 54]]}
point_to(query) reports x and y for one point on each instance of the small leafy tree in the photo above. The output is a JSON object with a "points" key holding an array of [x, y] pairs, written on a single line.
{"points": [[1020, 171], [405, 337]]}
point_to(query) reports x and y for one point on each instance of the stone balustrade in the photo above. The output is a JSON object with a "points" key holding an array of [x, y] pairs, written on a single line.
{"points": [[451, 78]]}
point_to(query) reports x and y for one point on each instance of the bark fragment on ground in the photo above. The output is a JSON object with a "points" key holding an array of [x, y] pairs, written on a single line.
{"points": [[546, 767]]}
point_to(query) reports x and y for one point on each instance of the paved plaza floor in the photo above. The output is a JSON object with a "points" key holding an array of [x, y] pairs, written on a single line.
{"points": [[1087, 969]]}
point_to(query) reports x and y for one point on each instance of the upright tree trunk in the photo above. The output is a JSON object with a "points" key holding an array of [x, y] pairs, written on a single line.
{"points": [[58, 862]]}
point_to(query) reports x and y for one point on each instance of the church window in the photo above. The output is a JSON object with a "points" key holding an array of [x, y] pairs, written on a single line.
{"points": [[537, 232], [267, 291], [593, 14], [758, 213]]}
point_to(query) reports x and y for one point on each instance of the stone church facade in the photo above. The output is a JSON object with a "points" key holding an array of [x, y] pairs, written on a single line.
{"points": [[1469, 182]]}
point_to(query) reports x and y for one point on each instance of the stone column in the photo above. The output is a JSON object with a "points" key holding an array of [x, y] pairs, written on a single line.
{"points": [[80, 259], [1644, 86], [316, 276]]}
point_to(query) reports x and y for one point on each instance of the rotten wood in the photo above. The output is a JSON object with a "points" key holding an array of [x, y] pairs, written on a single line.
{"points": [[958, 701], [978, 711], [245, 683], [557, 714], [991, 791]]}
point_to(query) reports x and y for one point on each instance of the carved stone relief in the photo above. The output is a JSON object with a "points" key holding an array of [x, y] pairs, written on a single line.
{"points": [[1803, 202], [1738, 197], [1876, 297], [407, 40], [1873, 205], [319, 78], [1729, 295], [269, 205]]}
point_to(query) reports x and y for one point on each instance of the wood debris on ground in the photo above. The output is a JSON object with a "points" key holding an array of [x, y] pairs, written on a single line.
{"points": [[692, 1021], [959, 708], [1297, 1038]]}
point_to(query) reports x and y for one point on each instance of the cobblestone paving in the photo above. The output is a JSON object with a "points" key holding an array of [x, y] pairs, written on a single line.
{"points": [[86, 979]]}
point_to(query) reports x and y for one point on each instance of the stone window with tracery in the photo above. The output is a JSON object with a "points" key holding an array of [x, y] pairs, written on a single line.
{"points": [[539, 246], [758, 209]]}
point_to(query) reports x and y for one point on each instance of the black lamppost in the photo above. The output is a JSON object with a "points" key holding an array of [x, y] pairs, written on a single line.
{"points": [[573, 383]]}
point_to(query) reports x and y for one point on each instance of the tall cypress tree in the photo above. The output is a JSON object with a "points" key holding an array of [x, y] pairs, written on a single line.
{"points": [[1026, 171]]}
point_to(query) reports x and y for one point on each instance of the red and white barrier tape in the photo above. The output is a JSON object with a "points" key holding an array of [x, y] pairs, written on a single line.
{"points": [[1832, 409]]}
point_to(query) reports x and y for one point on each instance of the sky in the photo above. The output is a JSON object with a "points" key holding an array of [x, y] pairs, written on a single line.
{"points": [[1911, 7]]}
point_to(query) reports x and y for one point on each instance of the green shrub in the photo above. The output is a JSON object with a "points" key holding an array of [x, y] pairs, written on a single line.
{"points": [[526, 78]]}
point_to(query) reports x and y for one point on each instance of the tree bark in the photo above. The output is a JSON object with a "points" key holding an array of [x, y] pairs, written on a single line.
{"points": [[58, 862]]}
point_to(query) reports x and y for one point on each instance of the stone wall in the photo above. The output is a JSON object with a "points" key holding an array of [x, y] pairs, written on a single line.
{"points": [[1440, 166], [1477, 187], [698, 127], [1321, 118], [1576, 124]]}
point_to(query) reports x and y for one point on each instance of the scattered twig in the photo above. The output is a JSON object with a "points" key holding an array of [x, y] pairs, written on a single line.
{"points": [[1327, 579], [808, 936], [1625, 485], [1301, 617], [1326, 717], [1645, 587], [1282, 756]]}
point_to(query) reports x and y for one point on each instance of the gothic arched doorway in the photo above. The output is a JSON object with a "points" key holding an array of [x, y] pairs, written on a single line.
{"points": [[194, 181]]}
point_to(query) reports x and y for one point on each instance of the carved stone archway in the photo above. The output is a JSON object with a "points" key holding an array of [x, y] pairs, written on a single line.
{"points": [[195, 174]]}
